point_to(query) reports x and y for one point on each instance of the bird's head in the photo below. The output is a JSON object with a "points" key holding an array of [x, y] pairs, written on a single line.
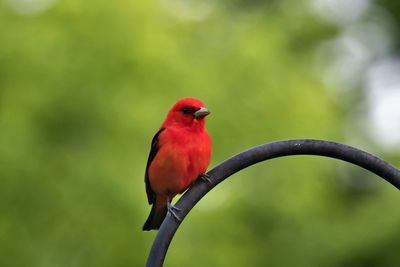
{"points": [[187, 112]]}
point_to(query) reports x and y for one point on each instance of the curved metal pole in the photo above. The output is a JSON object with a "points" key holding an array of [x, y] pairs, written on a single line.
{"points": [[253, 156]]}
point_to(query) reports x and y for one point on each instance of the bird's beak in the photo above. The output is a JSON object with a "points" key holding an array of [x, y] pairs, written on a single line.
{"points": [[201, 113]]}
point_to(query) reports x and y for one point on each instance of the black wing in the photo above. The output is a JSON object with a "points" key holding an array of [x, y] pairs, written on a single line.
{"points": [[152, 155]]}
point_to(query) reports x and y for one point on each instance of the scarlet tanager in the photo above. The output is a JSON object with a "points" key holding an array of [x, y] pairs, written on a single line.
{"points": [[180, 154]]}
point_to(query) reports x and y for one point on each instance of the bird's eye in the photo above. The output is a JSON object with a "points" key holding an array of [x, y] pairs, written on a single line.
{"points": [[188, 110]]}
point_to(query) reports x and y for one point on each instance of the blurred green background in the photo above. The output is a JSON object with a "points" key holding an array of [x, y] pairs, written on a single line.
{"points": [[84, 86]]}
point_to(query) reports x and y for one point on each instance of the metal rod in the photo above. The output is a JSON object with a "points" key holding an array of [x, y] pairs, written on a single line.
{"points": [[253, 156]]}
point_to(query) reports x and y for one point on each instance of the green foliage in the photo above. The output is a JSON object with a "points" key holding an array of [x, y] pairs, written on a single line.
{"points": [[83, 87]]}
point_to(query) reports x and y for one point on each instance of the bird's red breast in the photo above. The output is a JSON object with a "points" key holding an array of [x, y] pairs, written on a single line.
{"points": [[183, 156]]}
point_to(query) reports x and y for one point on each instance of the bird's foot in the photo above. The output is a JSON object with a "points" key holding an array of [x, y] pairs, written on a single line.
{"points": [[206, 178], [172, 209]]}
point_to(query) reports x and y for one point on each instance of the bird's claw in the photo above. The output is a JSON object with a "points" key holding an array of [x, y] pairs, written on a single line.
{"points": [[206, 178], [172, 209]]}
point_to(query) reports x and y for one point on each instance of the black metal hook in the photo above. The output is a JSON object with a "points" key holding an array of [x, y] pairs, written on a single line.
{"points": [[258, 154]]}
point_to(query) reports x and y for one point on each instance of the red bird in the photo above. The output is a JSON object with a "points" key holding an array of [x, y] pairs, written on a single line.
{"points": [[180, 154]]}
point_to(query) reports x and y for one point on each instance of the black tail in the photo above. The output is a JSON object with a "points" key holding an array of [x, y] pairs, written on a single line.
{"points": [[155, 218]]}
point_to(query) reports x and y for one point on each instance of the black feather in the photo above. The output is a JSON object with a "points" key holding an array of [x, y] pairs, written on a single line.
{"points": [[153, 152], [155, 218]]}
